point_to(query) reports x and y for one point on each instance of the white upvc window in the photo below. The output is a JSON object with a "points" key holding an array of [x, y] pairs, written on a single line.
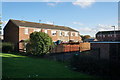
{"points": [[66, 34], [72, 34], [46, 31], [76, 34], [54, 33], [37, 30], [60, 33], [26, 30]]}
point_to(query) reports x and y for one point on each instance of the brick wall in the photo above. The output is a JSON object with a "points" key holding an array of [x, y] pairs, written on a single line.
{"points": [[11, 34]]}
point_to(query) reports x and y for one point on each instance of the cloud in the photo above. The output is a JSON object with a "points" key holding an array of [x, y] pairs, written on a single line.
{"points": [[52, 3], [93, 30], [48, 22], [102, 27], [78, 23], [83, 4]]}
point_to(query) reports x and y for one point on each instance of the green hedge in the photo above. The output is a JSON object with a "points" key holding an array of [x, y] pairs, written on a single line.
{"points": [[7, 47]]}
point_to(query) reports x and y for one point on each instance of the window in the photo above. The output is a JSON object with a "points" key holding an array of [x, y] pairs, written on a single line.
{"points": [[66, 34], [37, 30], [54, 33], [60, 33], [109, 35], [76, 34], [26, 31], [72, 34], [98, 35], [46, 31], [103, 35]]}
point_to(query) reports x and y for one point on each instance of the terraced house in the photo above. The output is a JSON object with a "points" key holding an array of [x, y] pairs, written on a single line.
{"points": [[17, 31]]}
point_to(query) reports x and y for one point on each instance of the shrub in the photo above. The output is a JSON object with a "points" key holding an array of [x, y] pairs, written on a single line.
{"points": [[7, 47], [40, 43]]}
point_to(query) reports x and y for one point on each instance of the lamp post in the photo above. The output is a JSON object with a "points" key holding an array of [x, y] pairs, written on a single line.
{"points": [[114, 32]]}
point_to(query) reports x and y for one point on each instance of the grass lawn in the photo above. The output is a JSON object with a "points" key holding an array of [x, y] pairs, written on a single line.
{"points": [[17, 66]]}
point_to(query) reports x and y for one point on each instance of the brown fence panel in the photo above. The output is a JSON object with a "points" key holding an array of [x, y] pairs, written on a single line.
{"points": [[85, 46], [65, 48]]}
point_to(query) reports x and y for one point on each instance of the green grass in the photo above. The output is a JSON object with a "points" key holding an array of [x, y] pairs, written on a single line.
{"points": [[17, 66]]}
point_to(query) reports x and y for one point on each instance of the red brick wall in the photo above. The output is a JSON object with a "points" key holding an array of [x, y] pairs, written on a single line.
{"points": [[23, 36], [11, 34]]}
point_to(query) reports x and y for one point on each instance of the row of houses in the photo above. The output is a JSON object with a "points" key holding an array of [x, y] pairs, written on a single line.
{"points": [[16, 31]]}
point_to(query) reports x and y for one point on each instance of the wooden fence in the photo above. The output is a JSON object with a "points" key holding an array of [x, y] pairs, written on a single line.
{"points": [[71, 48]]}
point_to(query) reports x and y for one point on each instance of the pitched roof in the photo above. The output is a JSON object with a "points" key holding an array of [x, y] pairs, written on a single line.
{"points": [[109, 32], [40, 25]]}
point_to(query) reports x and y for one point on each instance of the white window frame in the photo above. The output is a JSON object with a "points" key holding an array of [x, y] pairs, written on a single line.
{"points": [[37, 30], [72, 33], [53, 33], [66, 33], [60, 33], [76, 34], [26, 31], [46, 31]]}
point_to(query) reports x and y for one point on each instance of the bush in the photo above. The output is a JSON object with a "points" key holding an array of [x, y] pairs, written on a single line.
{"points": [[40, 43], [7, 47]]}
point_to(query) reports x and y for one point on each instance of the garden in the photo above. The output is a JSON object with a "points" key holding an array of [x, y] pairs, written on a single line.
{"points": [[18, 66], [32, 64]]}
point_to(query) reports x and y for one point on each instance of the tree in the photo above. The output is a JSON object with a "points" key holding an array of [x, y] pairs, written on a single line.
{"points": [[85, 37], [39, 44]]}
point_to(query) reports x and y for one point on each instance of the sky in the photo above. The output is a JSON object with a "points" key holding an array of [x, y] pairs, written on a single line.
{"points": [[86, 17]]}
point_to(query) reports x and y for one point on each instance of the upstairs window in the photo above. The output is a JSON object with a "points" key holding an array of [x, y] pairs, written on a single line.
{"points": [[76, 34], [60, 33], [109, 35], [54, 33], [66, 34], [26, 30], [37, 30], [103, 35], [46, 31], [72, 34]]}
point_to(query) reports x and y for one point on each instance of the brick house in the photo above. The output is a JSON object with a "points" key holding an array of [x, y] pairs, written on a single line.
{"points": [[108, 35], [16, 31]]}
